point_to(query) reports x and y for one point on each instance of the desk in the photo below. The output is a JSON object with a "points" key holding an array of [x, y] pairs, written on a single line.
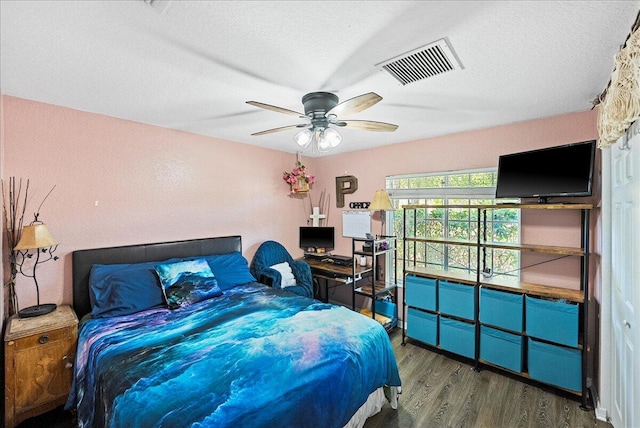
{"points": [[337, 274]]}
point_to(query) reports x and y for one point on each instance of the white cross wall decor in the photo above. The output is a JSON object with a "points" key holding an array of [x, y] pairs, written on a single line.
{"points": [[316, 216]]}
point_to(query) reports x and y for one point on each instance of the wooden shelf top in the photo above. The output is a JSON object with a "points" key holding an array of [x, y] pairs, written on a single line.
{"points": [[506, 284], [374, 253], [446, 241], [500, 283], [380, 287], [548, 249], [566, 206], [336, 269], [463, 277]]}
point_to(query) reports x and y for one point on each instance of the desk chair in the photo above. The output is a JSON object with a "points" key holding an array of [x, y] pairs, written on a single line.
{"points": [[270, 253]]}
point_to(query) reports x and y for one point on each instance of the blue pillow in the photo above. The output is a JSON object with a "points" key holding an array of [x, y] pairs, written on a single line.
{"points": [[187, 282], [230, 269], [124, 289]]}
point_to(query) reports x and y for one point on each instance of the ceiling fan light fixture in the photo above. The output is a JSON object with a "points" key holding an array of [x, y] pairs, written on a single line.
{"points": [[303, 138], [323, 142], [333, 137]]}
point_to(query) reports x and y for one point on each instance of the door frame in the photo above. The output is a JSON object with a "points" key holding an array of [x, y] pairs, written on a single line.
{"points": [[603, 401]]}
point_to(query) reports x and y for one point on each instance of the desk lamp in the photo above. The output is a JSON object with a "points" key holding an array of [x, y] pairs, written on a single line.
{"points": [[35, 237]]}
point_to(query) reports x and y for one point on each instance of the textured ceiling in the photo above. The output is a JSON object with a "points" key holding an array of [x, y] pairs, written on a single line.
{"points": [[191, 65]]}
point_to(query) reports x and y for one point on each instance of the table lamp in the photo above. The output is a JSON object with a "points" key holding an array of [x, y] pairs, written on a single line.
{"points": [[382, 203], [35, 237]]}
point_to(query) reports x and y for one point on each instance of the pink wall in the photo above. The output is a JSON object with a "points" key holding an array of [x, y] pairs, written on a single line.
{"points": [[120, 182]]}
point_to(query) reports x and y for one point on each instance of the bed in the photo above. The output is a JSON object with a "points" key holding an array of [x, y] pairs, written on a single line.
{"points": [[249, 355]]}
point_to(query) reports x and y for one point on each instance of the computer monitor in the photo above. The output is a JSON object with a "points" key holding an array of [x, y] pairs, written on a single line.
{"points": [[317, 239]]}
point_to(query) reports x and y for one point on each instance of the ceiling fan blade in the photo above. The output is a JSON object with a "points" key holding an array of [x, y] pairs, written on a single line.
{"points": [[276, 109], [367, 125], [355, 105], [282, 128]]}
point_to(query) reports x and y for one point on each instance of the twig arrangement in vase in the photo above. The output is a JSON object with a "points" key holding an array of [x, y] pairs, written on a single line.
{"points": [[13, 209]]}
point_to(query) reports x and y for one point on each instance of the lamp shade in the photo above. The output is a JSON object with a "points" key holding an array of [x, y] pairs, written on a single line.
{"points": [[35, 236], [303, 138], [333, 137], [381, 202]]}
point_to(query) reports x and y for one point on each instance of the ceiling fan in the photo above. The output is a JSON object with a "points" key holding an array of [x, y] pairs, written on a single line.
{"points": [[322, 110]]}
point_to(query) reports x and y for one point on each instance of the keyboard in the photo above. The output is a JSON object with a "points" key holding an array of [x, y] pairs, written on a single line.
{"points": [[330, 258], [339, 260]]}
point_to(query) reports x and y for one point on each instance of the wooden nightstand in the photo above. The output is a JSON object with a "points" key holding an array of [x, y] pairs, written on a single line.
{"points": [[39, 357]]}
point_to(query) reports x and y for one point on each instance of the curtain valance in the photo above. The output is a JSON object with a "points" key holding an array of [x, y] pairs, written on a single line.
{"points": [[620, 102]]}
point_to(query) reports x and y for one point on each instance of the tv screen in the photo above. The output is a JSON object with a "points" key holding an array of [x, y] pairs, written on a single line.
{"points": [[314, 238], [551, 172]]}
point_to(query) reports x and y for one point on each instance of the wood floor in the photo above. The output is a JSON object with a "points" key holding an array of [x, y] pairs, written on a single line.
{"points": [[438, 391]]}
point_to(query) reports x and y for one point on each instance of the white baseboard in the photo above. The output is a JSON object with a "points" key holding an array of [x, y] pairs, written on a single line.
{"points": [[602, 414]]}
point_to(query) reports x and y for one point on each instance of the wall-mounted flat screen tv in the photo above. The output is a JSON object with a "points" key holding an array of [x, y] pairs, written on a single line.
{"points": [[559, 171], [314, 238]]}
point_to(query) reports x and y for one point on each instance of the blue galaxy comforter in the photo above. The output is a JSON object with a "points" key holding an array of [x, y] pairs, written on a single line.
{"points": [[252, 357]]}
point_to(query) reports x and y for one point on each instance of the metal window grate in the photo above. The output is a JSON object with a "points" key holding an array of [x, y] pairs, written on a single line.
{"points": [[427, 61]]}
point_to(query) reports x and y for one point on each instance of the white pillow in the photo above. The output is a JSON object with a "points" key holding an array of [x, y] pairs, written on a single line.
{"points": [[288, 280]]}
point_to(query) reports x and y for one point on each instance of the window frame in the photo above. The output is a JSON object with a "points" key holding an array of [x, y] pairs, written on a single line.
{"points": [[446, 193]]}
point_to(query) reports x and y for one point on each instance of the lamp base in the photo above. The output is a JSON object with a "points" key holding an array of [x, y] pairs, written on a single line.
{"points": [[36, 311]]}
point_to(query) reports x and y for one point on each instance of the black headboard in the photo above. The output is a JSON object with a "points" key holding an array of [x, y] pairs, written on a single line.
{"points": [[84, 259]]}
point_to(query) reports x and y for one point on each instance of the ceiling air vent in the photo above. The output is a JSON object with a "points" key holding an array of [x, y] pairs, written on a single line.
{"points": [[159, 5], [427, 61]]}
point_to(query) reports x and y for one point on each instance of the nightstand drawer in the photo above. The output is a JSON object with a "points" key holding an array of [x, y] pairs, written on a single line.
{"points": [[43, 338]]}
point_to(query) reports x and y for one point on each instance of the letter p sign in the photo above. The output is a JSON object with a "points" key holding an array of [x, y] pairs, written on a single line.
{"points": [[345, 185]]}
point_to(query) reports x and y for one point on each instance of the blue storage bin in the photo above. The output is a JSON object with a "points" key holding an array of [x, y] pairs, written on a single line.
{"points": [[420, 292], [422, 326], [388, 309], [501, 309], [458, 337], [501, 348], [555, 365], [456, 299], [552, 320]]}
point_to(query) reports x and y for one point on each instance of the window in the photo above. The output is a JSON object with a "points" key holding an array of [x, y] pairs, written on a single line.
{"points": [[455, 188]]}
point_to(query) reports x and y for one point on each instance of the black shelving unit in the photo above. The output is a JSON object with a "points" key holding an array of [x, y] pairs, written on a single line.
{"points": [[424, 308], [373, 284]]}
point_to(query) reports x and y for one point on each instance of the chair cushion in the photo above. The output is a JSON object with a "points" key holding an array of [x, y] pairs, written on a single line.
{"points": [[288, 280]]}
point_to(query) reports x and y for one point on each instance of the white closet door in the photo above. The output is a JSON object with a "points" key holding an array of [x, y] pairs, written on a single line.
{"points": [[625, 279]]}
